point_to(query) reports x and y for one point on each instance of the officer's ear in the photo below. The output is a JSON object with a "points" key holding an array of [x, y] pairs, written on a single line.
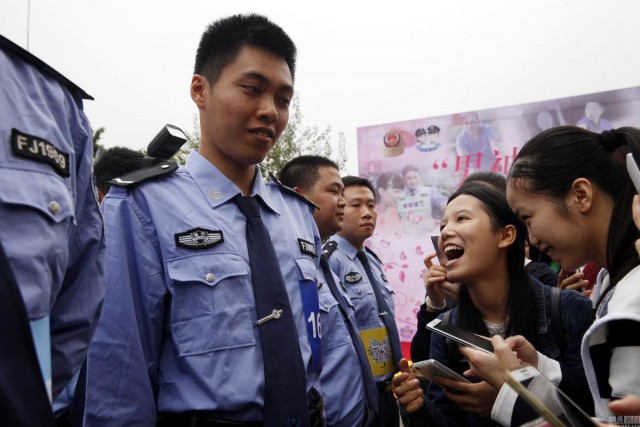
{"points": [[199, 89], [300, 191]]}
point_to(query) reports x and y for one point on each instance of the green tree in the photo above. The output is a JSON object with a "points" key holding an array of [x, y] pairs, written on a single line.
{"points": [[193, 142], [296, 140], [97, 147]]}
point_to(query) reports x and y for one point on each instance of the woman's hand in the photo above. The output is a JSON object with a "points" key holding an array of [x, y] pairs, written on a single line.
{"points": [[493, 367], [470, 397], [436, 284], [572, 281]]}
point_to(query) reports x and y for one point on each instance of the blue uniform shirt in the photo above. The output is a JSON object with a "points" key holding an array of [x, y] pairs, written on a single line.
{"points": [[176, 333], [349, 270], [341, 379], [51, 224]]}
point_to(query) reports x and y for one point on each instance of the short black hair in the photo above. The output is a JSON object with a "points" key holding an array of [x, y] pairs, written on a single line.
{"points": [[356, 181], [303, 171], [223, 39], [115, 162]]}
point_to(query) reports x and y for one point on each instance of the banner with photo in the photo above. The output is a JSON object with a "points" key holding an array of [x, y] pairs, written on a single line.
{"points": [[415, 165]]}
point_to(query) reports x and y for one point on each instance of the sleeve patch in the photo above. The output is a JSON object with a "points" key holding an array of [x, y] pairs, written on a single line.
{"points": [[40, 150]]}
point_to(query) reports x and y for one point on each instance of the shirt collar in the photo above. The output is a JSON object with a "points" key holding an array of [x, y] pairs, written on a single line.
{"points": [[217, 188], [349, 250]]}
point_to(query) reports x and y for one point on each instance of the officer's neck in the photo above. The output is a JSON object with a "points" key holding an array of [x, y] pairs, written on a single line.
{"points": [[356, 243], [240, 174]]}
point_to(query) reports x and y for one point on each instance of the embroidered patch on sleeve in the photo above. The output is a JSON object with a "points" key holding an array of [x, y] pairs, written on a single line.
{"points": [[39, 149], [307, 248], [199, 238]]}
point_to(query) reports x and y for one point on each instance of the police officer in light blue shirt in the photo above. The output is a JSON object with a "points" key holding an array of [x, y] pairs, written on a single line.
{"points": [[178, 342], [344, 376], [51, 226], [381, 342]]}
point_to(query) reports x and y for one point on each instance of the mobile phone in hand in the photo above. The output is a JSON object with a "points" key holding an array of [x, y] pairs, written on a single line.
{"points": [[634, 171], [546, 399], [460, 336], [434, 240], [432, 368]]}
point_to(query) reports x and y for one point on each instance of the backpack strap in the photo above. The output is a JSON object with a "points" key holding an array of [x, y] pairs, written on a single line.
{"points": [[556, 320]]}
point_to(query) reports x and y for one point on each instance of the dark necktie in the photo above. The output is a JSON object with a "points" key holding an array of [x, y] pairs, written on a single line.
{"points": [[370, 388], [285, 396], [383, 309]]}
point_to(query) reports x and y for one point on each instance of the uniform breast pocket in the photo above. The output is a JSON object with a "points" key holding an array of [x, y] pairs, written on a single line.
{"points": [[365, 304], [212, 303], [37, 193], [38, 213], [387, 294], [334, 331]]}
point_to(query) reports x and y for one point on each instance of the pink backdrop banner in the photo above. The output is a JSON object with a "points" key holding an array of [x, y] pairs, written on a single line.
{"points": [[434, 146]]}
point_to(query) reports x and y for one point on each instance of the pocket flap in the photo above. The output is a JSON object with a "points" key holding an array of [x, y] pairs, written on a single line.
{"points": [[46, 193], [209, 268]]}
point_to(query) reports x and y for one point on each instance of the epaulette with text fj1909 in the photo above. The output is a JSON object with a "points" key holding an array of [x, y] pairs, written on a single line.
{"points": [[136, 177]]}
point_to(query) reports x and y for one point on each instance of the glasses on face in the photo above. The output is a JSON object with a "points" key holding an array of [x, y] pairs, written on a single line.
{"points": [[470, 122]]}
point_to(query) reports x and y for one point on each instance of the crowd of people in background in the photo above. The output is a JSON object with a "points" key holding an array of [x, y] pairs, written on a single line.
{"points": [[210, 296]]}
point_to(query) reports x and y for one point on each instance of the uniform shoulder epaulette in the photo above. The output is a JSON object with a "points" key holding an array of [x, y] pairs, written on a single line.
{"points": [[291, 191], [136, 177], [29, 58], [373, 254], [329, 247]]}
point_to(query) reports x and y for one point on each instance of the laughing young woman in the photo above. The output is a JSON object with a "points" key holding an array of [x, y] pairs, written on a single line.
{"points": [[575, 196], [484, 242]]}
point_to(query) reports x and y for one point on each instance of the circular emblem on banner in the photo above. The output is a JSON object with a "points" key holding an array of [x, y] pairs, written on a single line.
{"points": [[393, 144]]}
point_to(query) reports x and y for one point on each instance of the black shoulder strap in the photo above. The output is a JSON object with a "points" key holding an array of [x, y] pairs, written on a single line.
{"points": [[373, 254], [329, 247], [136, 177], [291, 191], [556, 320]]}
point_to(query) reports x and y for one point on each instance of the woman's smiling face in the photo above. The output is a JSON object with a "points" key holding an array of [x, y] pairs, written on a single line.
{"points": [[468, 240], [552, 229]]}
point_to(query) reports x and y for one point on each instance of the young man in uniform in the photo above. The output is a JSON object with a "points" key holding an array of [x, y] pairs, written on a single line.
{"points": [[211, 306], [362, 273], [348, 387]]}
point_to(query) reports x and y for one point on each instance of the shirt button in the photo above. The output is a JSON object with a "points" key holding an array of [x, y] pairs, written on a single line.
{"points": [[55, 207], [359, 291], [210, 277]]}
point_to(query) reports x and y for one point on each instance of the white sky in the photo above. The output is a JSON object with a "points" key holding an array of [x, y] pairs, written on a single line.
{"points": [[359, 63]]}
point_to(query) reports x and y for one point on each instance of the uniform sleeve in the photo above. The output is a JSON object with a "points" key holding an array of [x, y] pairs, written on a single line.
{"points": [[122, 367], [75, 313]]}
